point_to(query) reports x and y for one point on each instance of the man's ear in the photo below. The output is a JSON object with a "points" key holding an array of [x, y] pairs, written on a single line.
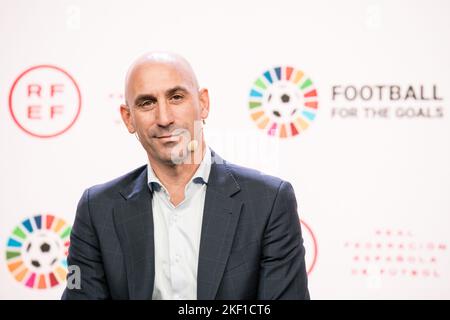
{"points": [[204, 103], [125, 112]]}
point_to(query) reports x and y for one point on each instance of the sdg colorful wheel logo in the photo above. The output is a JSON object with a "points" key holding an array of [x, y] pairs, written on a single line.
{"points": [[36, 252], [283, 102]]}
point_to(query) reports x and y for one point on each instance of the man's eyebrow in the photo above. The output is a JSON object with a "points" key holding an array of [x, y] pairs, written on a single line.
{"points": [[169, 92], [176, 89], [144, 97]]}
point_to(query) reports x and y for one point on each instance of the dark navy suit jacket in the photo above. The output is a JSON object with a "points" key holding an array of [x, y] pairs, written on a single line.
{"points": [[251, 245]]}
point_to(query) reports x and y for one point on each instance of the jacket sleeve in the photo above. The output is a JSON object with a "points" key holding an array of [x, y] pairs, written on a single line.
{"points": [[283, 272], [87, 279]]}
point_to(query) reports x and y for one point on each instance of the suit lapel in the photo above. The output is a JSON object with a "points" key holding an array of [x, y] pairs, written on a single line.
{"points": [[133, 219], [220, 218]]}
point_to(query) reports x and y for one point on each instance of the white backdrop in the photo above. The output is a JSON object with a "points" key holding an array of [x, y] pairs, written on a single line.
{"points": [[371, 173]]}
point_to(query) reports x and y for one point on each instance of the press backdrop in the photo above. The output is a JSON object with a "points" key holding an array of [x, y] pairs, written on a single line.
{"points": [[347, 100]]}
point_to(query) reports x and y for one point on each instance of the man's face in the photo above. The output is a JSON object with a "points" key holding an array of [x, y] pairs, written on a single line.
{"points": [[163, 100]]}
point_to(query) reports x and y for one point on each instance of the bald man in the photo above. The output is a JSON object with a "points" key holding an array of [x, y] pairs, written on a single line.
{"points": [[188, 224]]}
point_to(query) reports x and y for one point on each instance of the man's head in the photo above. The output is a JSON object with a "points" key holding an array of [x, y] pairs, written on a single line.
{"points": [[163, 100]]}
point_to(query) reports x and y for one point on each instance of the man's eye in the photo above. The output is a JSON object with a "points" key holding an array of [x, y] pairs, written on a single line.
{"points": [[177, 97], [145, 103]]}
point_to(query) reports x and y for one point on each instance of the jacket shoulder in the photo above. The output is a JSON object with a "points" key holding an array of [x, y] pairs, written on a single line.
{"points": [[112, 187], [252, 178]]}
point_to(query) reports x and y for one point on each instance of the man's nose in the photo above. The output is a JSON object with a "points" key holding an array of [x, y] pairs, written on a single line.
{"points": [[164, 116]]}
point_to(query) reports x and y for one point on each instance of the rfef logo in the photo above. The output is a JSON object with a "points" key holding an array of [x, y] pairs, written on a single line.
{"points": [[283, 102], [310, 244], [45, 101]]}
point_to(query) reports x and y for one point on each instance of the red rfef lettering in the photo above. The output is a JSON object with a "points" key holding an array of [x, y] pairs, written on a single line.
{"points": [[34, 89], [54, 110], [56, 88], [34, 112]]}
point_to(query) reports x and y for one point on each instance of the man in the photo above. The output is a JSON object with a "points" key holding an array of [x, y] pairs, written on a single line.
{"points": [[188, 225]]}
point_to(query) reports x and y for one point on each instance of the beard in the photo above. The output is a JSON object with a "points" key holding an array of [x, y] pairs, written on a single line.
{"points": [[172, 149]]}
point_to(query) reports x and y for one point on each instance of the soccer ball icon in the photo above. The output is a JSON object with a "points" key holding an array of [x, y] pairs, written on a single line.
{"points": [[282, 101], [43, 252]]}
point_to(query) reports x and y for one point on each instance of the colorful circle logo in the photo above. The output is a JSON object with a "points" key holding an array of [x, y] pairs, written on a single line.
{"points": [[36, 252], [283, 102]]}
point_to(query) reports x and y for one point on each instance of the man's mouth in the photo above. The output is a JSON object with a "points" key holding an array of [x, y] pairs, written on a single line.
{"points": [[168, 137]]}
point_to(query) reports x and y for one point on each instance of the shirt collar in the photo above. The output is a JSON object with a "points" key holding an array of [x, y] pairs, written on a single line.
{"points": [[200, 176]]}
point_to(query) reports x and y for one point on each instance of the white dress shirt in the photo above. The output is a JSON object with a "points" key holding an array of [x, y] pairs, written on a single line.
{"points": [[177, 232]]}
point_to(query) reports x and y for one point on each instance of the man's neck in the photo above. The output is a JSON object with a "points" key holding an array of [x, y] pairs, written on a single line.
{"points": [[176, 176]]}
